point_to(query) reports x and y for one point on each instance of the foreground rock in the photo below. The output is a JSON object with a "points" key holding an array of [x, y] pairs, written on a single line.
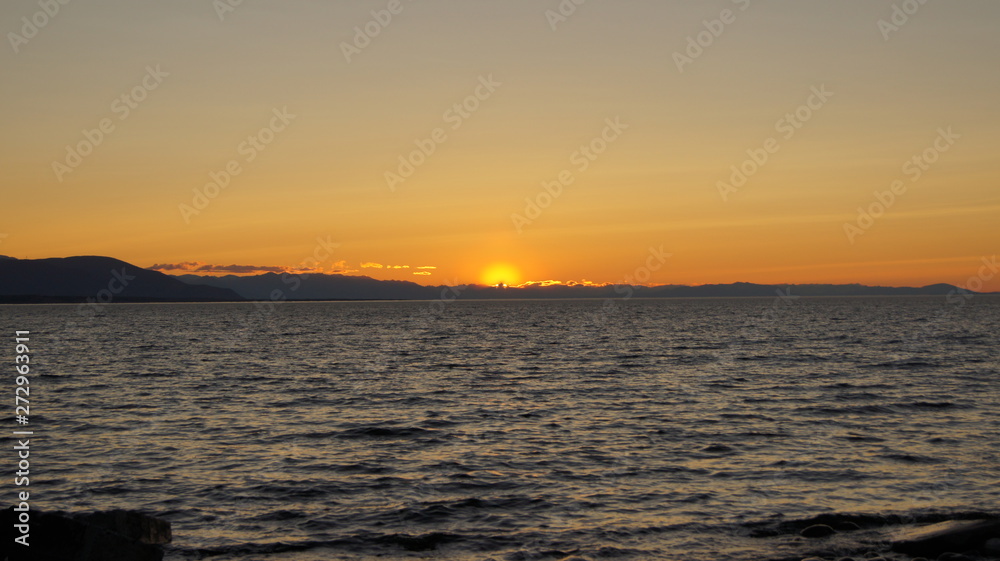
{"points": [[944, 537], [817, 531], [116, 535]]}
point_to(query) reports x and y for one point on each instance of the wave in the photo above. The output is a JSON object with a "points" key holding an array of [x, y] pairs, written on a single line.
{"points": [[385, 432]]}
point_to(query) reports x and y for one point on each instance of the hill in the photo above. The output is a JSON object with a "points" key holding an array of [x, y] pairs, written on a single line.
{"points": [[104, 279]]}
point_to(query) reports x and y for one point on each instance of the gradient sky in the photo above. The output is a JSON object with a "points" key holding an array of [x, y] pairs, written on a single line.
{"points": [[657, 184]]}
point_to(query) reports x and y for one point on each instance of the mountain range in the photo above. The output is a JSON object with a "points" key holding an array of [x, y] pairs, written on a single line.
{"points": [[102, 279], [105, 279], [340, 287]]}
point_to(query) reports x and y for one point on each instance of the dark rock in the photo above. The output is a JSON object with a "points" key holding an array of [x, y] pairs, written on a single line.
{"points": [[944, 537], [848, 526], [131, 524], [817, 531], [954, 557], [103, 536]]}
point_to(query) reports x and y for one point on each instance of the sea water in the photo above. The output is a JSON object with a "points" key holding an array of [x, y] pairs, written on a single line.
{"points": [[514, 430]]}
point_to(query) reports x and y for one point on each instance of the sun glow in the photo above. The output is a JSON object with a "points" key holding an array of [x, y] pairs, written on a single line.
{"points": [[500, 273]]}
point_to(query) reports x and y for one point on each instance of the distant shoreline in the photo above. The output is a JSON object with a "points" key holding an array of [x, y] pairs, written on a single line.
{"points": [[97, 280], [73, 300]]}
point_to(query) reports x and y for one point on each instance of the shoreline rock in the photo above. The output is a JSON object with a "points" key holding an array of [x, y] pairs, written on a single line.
{"points": [[115, 535], [817, 531]]}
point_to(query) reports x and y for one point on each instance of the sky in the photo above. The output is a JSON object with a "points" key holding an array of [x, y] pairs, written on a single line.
{"points": [[484, 141]]}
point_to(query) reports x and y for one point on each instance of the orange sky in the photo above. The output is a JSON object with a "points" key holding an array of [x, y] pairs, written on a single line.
{"points": [[168, 133]]}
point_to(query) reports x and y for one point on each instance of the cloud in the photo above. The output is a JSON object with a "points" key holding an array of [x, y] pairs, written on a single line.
{"points": [[197, 267], [335, 268], [540, 283], [586, 282], [341, 268], [422, 273], [373, 265], [544, 283]]}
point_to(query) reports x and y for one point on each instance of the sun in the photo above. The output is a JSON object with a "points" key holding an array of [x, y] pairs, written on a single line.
{"points": [[500, 273]]}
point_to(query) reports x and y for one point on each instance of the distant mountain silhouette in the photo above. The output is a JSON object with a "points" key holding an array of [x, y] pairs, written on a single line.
{"points": [[743, 289], [273, 286], [74, 279]]}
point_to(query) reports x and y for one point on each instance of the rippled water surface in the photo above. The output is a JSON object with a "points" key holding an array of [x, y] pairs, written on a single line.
{"points": [[514, 430]]}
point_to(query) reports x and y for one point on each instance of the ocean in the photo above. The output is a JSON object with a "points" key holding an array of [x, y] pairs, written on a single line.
{"points": [[694, 429]]}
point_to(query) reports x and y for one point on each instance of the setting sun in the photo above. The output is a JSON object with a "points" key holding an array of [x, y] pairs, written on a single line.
{"points": [[500, 273]]}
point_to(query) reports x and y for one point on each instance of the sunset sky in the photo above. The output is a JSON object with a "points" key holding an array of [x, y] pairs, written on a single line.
{"points": [[641, 107]]}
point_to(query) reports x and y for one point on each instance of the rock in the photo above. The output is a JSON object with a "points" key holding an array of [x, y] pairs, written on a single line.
{"points": [[848, 526], [102, 536], [131, 524], [817, 531], [944, 537], [954, 557]]}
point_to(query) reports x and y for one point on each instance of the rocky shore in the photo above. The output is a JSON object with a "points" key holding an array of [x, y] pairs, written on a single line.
{"points": [[121, 535], [115, 535]]}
